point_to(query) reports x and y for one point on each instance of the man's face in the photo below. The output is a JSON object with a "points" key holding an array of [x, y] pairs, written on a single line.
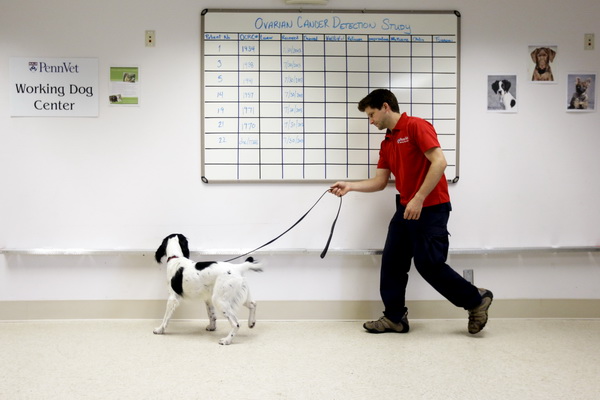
{"points": [[378, 117]]}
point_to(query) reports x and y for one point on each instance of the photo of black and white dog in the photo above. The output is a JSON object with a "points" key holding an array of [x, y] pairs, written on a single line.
{"points": [[221, 285], [501, 88], [502, 93]]}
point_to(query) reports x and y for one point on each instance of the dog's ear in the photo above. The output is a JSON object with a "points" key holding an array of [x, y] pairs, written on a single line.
{"points": [[551, 54], [161, 251], [183, 243], [506, 85], [495, 86]]}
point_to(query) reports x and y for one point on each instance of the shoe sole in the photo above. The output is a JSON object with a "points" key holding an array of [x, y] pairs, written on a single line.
{"points": [[384, 331]]}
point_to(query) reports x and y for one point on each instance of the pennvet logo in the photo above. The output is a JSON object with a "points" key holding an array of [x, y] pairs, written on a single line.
{"points": [[403, 140], [65, 67]]}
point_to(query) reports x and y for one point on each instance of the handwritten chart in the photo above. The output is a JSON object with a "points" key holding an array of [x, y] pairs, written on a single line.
{"points": [[280, 89]]}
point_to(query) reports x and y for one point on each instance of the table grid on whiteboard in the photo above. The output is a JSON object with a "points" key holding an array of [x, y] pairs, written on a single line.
{"points": [[283, 106]]}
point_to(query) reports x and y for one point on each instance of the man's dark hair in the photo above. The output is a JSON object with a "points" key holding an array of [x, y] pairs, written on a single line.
{"points": [[376, 98]]}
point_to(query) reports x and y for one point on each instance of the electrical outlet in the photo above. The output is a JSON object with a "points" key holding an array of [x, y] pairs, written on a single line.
{"points": [[150, 39], [468, 275], [589, 41]]}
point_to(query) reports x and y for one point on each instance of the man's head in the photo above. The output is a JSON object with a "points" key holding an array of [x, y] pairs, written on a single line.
{"points": [[381, 106], [376, 98]]}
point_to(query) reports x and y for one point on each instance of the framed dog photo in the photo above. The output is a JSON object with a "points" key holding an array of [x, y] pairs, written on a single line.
{"points": [[581, 92], [502, 93], [543, 63]]}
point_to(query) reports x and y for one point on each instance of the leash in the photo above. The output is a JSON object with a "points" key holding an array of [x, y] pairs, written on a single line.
{"points": [[323, 253]]}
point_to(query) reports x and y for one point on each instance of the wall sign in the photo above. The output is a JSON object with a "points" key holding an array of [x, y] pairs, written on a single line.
{"points": [[53, 87], [124, 86]]}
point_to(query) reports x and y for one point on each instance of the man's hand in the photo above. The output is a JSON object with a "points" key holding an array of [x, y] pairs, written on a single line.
{"points": [[340, 188], [413, 208]]}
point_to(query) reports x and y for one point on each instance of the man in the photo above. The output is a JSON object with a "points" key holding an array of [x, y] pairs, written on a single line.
{"points": [[418, 229]]}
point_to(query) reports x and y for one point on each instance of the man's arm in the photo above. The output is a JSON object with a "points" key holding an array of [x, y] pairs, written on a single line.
{"points": [[435, 173], [375, 184]]}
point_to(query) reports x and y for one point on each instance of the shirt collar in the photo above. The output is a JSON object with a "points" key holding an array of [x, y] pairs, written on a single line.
{"points": [[400, 125]]}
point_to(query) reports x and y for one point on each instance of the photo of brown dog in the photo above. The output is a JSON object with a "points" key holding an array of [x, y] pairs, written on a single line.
{"points": [[581, 92], [542, 57]]}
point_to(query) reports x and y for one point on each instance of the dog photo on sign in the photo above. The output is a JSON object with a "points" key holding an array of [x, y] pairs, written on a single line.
{"points": [[581, 92], [502, 93], [543, 63]]}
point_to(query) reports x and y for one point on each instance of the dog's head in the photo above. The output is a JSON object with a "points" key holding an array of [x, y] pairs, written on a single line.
{"points": [[582, 85], [166, 247], [501, 87], [542, 57]]}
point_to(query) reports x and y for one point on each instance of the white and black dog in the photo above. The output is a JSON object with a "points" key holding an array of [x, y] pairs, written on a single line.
{"points": [[501, 88], [218, 284]]}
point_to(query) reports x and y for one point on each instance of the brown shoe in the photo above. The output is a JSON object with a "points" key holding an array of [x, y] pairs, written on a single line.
{"points": [[479, 315], [383, 324]]}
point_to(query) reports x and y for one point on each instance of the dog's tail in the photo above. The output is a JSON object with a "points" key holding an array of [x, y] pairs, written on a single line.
{"points": [[250, 265]]}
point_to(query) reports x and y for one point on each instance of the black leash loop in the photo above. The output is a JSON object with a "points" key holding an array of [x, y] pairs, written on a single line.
{"points": [[323, 253]]}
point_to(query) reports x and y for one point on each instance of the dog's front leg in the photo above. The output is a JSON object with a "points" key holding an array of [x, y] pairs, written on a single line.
{"points": [[172, 304], [212, 317]]}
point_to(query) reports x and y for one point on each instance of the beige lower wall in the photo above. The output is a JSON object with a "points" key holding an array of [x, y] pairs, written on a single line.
{"points": [[292, 310]]}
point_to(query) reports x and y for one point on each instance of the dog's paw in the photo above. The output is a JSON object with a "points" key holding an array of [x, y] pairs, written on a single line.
{"points": [[211, 327], [251, 324], [225, 341], [159, 331]]}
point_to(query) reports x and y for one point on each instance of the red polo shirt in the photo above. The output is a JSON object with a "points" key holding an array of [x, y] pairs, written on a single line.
{"points": [[403, 153]]}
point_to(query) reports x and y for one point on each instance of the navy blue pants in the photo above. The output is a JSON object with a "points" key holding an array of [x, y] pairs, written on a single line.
{"points": [[426, 242]]}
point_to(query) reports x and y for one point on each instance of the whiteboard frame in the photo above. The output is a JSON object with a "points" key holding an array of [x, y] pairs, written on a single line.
{"points": [[205, 179]]}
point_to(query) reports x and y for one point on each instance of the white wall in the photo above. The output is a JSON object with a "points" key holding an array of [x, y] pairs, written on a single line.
{"points": [[129, 177]]}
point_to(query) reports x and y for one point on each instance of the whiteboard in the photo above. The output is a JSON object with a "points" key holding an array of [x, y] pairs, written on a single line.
{"points": [[280, 89]]}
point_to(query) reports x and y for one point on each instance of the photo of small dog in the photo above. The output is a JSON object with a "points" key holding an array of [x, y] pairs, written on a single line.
{"points": [[129, 77], [502, 93], [220, 285], [501, 88], [115, 98], [542, 57], [581, 92], [580, 98]]}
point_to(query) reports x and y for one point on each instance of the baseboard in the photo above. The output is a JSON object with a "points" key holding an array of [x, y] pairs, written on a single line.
{"points": [[293, 310]]}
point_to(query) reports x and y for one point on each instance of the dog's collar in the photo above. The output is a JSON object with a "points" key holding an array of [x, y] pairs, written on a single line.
{"points": [[172, 257]]}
